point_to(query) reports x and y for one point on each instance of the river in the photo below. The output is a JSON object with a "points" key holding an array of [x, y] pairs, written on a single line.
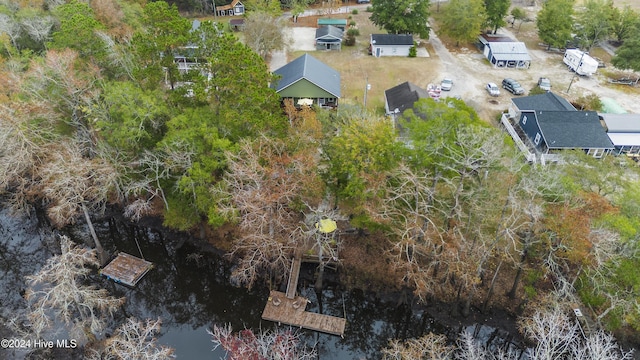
{"points": [[188, 289]]}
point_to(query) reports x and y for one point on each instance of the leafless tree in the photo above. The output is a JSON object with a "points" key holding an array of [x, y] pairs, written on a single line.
{"points": [[38, 27], [11, 27], [57, 292], [67, 88], [264, 33], [263, 182], [602, 346], [469, 349], [72, 183], [270, 345], [134, 339], [427, 347], [409, 208], [119, 54], [553, 333]]}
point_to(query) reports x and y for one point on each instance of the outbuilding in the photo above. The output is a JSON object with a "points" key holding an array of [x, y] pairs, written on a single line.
{"points": [[390, 44], [503, 52]]}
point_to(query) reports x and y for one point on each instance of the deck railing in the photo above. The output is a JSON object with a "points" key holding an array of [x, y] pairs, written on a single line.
{"points": [[531, 157]]}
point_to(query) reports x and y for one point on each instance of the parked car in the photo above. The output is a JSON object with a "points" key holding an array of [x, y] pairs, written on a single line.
{"points": [[492, 89], [544, 84], [363, 1], [512, 86], [446, 84]]}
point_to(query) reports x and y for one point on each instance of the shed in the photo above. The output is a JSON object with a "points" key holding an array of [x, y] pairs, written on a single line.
{"points": [[236, 24], [339, 23], [390, 44], [236, 8], [307, 78], [328, 38], [502, 51]]}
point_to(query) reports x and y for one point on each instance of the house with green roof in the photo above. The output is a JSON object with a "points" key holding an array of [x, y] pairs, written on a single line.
{"points": [[307, 80], [339, 23]]}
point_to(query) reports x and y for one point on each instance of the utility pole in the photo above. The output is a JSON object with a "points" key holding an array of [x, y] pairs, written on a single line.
{"points": [[576, 71], [366, 89]]}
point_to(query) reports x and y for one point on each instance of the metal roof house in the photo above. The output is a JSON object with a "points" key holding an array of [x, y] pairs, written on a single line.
{"points": [[339, 23], [624, 132], [308, 80], [390, 44], [329, 38], [502, 51]]}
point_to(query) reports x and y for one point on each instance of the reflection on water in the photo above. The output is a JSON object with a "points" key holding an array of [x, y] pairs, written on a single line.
{"points": [[189, 290]]}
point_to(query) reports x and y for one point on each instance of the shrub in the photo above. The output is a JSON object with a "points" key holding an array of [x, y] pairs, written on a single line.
{"points": [[413, 51], [352, 23], [353, 32], [354, 11], [369, 9], [589, 102]]}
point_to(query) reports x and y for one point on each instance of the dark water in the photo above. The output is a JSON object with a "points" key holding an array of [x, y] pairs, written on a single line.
{"points": [[189, 291]]}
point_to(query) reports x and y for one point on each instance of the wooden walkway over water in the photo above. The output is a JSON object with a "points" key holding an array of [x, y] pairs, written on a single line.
{"points": [[287, 308], [126, 269], [281, 309], [294, 274]]}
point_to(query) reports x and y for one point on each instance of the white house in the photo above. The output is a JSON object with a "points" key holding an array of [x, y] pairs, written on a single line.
{"points": [[390, 45], [502, 51]]}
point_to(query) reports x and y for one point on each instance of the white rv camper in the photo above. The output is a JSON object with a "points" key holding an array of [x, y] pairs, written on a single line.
{"points": [[580, 62]]}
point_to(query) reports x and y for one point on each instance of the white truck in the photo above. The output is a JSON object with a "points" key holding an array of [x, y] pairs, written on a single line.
{"points": [[580, 62]]}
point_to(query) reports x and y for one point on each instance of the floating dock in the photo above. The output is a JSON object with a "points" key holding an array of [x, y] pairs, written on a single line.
{"points": [[292, 312], [126, 269]]}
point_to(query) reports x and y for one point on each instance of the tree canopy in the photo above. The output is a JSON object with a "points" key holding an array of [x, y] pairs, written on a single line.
{"points": [[462, 20], [402, 16], [496, 11], [555, 22]]}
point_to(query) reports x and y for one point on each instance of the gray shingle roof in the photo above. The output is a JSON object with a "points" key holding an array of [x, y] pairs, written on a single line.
{"points": [[572, 130], [403, 96], [313, 70], [391, 39], [329, 33], [547, 101]]}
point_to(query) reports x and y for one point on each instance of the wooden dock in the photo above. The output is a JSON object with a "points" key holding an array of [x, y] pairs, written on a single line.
{"points": [[291, 311], [294, 274], [126, 269]]}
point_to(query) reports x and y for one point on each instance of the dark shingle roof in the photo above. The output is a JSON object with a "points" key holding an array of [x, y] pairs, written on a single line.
{"points": [[313, 70], [403, 96], [572, 130], [391, 39], [547, 101], [329, 32]]}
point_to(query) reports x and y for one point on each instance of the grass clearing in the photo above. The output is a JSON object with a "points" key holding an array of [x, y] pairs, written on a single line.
{"points": [[356, 66]]}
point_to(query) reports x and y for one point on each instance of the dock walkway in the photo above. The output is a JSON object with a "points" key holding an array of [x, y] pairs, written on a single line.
{"points": [[294, 274], [284, 310]]}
